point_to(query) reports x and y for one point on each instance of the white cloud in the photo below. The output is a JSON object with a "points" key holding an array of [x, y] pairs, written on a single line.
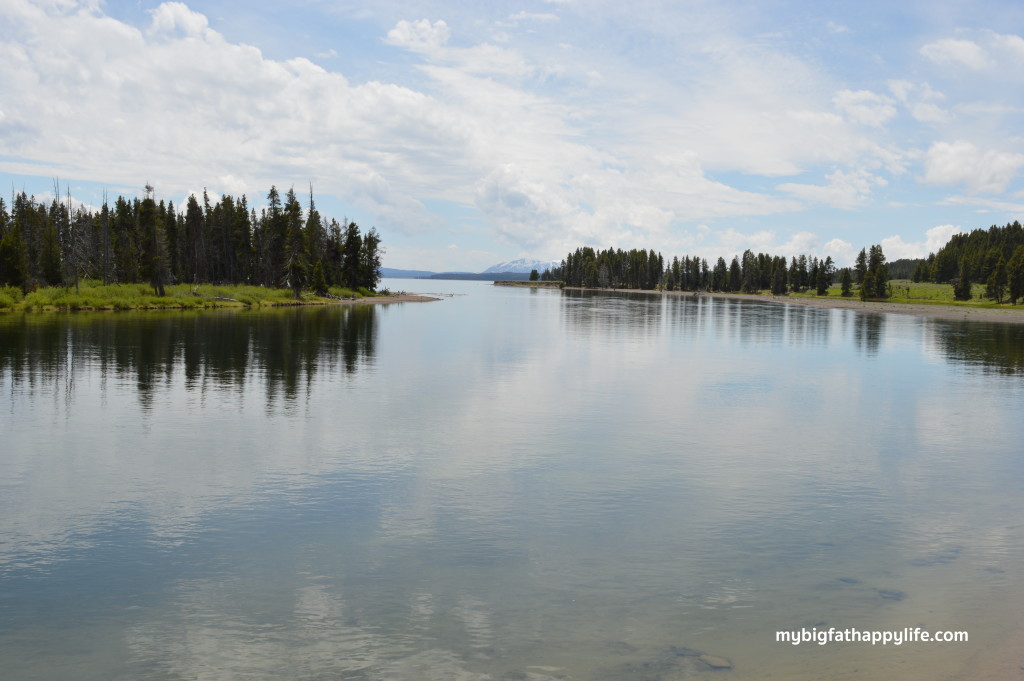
{"points": [[961, 162], [451, 258], [959, 52], [537, 144], [895, 247], [176, 15], [843, 252], [921, 100], [1011, 48], [844, 190], [1013, 210], [420, 35], [865, 107], [543, 17]]}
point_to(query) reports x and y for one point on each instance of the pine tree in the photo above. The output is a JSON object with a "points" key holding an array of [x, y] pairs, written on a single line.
{"points": [[296, 256], [867, 286], [860, 268], [370, 260], [1015, 275], [962, 285], [350, 262], [319, 281], [50, 266], [996, 283], [13, 258], [846, 282]]}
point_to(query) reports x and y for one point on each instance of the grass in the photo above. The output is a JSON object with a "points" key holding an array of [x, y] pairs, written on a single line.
{"points": [[923, 293], [94, 295]]}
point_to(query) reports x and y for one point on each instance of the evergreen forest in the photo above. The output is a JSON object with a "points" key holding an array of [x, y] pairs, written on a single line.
{"points": [[141, 240], [749, 273], [993, 257]]}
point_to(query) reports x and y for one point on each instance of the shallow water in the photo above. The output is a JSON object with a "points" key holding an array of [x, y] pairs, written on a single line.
{"points": [[505, 484]]}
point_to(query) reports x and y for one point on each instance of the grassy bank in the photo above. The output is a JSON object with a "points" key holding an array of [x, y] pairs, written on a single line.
{"points": [[924, 293], [93, 295]]}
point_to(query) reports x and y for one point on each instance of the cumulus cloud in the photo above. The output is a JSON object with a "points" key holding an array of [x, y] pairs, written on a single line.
{"points": [[979, 170], [865, 107], [180, 105], [420, 35], [921, 100], [1010, 45], [845, 190], [951, 51], [172, 16], [895, 247], [544, 146]]}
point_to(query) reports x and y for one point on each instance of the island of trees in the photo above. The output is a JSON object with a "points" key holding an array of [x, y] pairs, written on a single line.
{"points": [[992, 257], [142, 240], [749, 273]]}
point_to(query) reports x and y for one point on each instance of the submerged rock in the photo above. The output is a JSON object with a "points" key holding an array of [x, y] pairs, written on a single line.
{"points": [[673, 664], [715, 662], [892, 594]]}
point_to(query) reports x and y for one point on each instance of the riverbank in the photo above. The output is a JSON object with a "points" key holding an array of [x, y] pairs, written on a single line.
{"points": [[96, 296], [948, 311]]}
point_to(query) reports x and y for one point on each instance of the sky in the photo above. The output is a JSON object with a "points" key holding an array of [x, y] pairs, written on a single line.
{"points": [[472, 133]]}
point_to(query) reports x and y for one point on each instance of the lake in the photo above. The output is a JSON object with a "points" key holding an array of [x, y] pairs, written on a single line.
{"points": [[506, 484]]}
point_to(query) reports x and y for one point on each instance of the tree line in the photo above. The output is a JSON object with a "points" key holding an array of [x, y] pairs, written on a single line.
{"points": [[993, 257], [749, 273], [142, 240]]}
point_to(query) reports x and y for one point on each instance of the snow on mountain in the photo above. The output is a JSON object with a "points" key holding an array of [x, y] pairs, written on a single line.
{"points": [[523, 265]]}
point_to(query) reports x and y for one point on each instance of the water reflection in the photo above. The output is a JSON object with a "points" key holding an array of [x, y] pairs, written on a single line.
{"points": [[997, 348], [597, 314], [536, 486], [868, 331], [223, 350]]}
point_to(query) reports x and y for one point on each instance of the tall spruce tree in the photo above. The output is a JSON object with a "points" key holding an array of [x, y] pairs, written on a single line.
{"points": [[996, 282], [1015, 275], [962, 284]]}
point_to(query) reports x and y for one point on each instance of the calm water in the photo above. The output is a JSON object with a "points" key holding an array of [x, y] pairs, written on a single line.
{"points": [[505, 484]]}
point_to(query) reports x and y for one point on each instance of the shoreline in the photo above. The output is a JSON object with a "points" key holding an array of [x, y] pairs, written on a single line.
{"points": [[956, 313], [229, 304]]}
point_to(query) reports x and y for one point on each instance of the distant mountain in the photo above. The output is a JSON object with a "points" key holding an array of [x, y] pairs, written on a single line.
{"points": [[522, 266], [481, 276], [393, 273], [504, 271]]}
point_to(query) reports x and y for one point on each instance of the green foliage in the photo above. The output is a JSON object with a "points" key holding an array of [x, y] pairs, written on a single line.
{"points": [[996, 284], [319, 281], [534, 275], [867, 285], [860, 267], [94, 295], [13, 258], [846, 283], [976, 253], [962, 284], [9, 297], [1015, 275], [136, 240], [343, 292]]}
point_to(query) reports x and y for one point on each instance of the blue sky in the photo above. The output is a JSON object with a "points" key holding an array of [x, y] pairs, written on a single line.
{"points": [[472, 133]]}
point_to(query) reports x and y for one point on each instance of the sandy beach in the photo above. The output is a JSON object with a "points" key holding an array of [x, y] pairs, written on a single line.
{"points": [[1011, 314]]}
